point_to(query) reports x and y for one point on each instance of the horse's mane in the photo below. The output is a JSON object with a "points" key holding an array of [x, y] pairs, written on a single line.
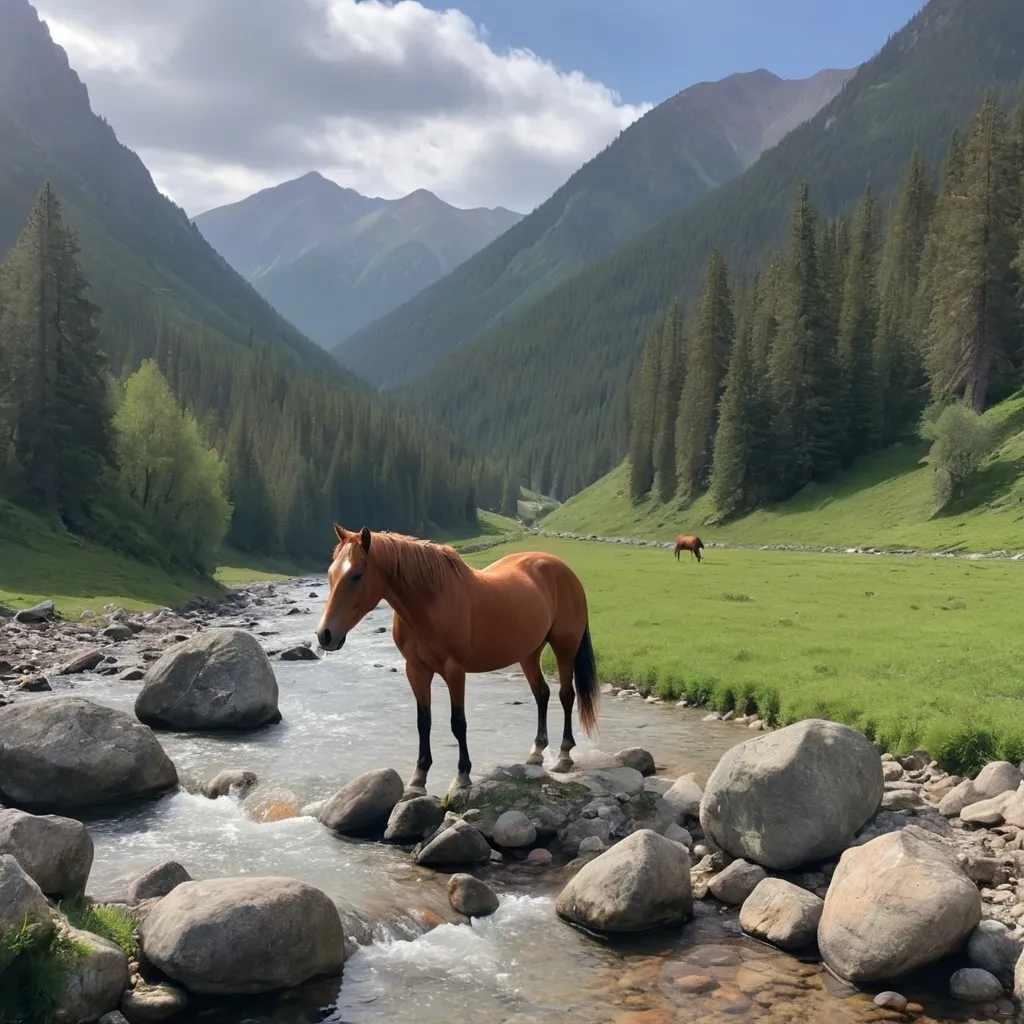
{"points": [[417, 564]]}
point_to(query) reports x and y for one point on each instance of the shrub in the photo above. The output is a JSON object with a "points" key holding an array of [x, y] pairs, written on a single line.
{"points": [[960, 441]]}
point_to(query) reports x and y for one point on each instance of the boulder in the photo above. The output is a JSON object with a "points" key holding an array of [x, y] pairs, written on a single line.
{"points": [[299, 653], [736, 882], [973, 985], [678, 834], [147, 1004], [365, 804], [994, 948], [513, 829], [638, 758], [37, 613], [781, 913], [69, 752], [21, 903], [217, 679], [157, 881], [591, 847], [117, 632], [792, 796], [83, 660], [55, 852], [458, 843], [683, 799], [641, 883], [611, 781], [231, 779], [241, 936], [993, 780], [897, 903], [988, 811], [413, 819], [94, 984], [470, 896]]}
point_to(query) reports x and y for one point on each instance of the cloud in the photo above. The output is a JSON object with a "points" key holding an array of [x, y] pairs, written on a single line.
{"points": [[223, 97]]}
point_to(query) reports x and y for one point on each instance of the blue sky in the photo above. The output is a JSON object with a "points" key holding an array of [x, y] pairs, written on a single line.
{"points": [[650, 49]]}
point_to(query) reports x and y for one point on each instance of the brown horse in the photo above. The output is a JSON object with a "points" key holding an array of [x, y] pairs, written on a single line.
{"points": [[450, 619], [691, 544]]}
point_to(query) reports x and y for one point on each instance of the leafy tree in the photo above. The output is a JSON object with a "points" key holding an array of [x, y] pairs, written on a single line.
{"points": [[960, 441]]}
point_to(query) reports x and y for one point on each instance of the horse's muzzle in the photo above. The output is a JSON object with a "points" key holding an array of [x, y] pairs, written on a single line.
{"points": [[330, 641]]}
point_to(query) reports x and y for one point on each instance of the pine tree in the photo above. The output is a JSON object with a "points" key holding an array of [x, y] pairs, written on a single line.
{"points": [[706, 366], [857, 328], [641, 434], [669, 388]]}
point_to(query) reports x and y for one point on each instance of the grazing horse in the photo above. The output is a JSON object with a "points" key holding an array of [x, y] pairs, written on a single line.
{"points": [[450, 619], [691, 544]]}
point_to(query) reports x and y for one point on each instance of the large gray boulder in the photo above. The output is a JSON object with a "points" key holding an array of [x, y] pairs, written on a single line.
{"points": [[792, 796], [240, 936], [55, 852], [218, 679], [994, 948], [640, 884], [364, 804], [995, 779], [455, 844], [897, 903], [94, 984], [69, 752], [781, 913], [157, 881], [413, 819], [22, 904]]}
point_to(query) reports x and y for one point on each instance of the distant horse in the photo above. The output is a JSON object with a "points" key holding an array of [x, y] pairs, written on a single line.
{"points": [[691, 544], [450, 619]]}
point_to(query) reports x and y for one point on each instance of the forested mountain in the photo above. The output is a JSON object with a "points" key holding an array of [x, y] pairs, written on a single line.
{"points": [[671, 157], [332, 260], [551, 386], [303, 441]]}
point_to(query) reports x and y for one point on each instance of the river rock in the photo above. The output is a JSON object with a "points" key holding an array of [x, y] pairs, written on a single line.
{"points": [[683, 799], [994, 948], [69, 752], [459, 843], [470, 896], [640, 884], [218, 679], [157, 881], [222, 784], [21, 902], [638, 758], [93, 986], [117, 632], [988, 811], [897, 903], [734, 884], [891, 1001], [611, 781], [241, 936], [513, 830], [146, 1004], [365, 804], [55, 852], [994, 779], [83, 660], [792, 796], [678, 834], [413, 819], [973, 985], [299, 653], [37, 613], [781, 913]]}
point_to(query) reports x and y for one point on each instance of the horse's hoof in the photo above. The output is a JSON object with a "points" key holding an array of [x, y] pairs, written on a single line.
{"points": [[535, 757], [563, 765]]}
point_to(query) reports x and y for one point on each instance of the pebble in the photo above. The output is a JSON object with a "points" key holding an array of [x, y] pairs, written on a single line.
{"points": [[891, 1001]]}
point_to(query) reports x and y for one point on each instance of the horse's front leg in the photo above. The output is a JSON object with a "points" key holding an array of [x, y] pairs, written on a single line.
{"points": [[420, 678], [455, 677]]}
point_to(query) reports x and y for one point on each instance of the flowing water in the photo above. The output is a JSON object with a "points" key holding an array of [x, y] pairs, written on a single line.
{"points": [[352, 711]]}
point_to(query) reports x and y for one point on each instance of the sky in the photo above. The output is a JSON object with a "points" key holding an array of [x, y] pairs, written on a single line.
{"points": [[490, 103]]}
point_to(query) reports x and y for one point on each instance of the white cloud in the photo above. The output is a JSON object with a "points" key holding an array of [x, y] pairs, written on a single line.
{"points": [[222, 97]]}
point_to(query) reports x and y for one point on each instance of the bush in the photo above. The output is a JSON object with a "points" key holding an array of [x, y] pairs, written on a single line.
{"points": [[960, 441], [34, 980]]}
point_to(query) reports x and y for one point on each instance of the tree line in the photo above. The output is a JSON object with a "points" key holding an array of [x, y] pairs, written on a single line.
{"points": [[846, 338], [135, 431]]}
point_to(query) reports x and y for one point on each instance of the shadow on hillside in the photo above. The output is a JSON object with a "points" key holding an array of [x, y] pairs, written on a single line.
{"points": [[992, 483]]}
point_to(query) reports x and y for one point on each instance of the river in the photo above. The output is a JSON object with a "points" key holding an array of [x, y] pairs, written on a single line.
{"points": [[352, 711]]}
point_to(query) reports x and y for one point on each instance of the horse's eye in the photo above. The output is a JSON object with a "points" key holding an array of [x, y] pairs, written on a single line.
{"points": [[356, 577]]}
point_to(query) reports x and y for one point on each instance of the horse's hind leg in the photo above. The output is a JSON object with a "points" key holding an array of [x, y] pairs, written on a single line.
{"points": [[541, 694], [567, 695]]}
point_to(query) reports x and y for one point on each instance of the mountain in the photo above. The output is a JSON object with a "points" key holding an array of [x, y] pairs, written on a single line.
{"points": [[551, 385], [674, 155], [332, 260]]}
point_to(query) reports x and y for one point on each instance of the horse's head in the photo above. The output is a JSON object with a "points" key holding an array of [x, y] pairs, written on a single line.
{"points": [[356, 588]]}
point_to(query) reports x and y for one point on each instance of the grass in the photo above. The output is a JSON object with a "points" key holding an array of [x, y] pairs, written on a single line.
{"points": [[913, 652], [490, 528], [885, 501], [107, 922], [35, 974]]}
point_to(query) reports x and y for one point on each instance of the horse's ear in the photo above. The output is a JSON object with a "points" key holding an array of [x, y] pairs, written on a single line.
{"points": [[364, 538], [339, 532]]}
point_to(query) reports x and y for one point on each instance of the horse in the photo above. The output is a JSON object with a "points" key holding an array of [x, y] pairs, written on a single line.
{"points": [[691, 544], [450, 619]]}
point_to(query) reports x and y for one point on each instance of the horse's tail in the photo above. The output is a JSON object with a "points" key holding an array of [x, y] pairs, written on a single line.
{"points": [[585, 672]]}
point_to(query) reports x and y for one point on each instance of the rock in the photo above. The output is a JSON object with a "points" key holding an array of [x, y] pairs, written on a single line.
{"points": [[639, 884], [539, 858], [603, 781], [365, 804], [591, 846], [895, 904], [230, 780], [35, 684], [901, 800], [239, 936], [413, 819], [56, 853], [93, 986], [114, 1017], [132, 675], [781, 913], [299, 653], [683, 799], [678, 834], [1013, 809], [513, 830], [218, 679], [68, 752], [973, 985], [637, 758], [459, 843], [987, 812], [736, 882], [117, 632], [21, 902], [470, 896], [83, 660], [891, 1001], [891, 771], [157, 881], [792, 796], [994, 948], [149, 1003], [994, 779], [38, 613]]}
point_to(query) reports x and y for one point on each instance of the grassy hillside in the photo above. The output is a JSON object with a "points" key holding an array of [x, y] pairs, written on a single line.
{"points": [[885, 501], [550, 386]]}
